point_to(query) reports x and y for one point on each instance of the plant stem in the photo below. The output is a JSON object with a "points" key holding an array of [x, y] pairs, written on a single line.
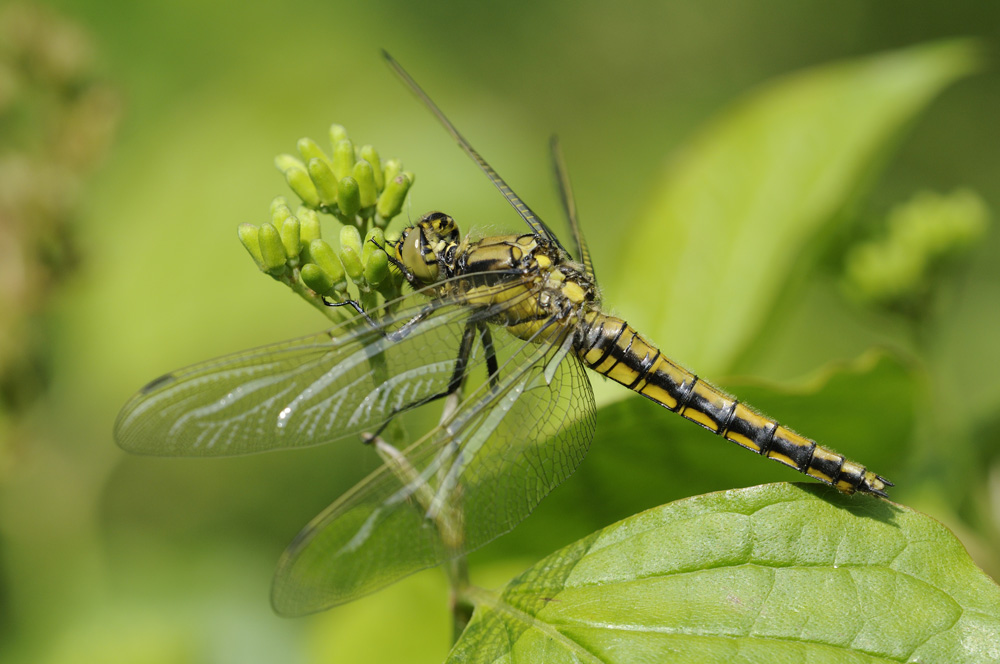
{"points": [[459, 600]]}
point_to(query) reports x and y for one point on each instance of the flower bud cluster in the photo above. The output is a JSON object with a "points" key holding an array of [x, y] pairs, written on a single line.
{"points": [[922, 234], [360, 191], [352, 183], [58, 118]]}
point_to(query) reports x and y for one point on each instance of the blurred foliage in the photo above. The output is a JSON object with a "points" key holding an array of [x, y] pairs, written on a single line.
{"points": [[898, 270], [169, 560]]}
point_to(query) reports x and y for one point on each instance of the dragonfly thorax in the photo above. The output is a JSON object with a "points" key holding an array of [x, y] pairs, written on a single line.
{"points": [[536, 288], [531, 282]]}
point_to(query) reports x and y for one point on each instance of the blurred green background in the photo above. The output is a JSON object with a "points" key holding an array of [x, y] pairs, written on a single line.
{"points": [[109, 558]]}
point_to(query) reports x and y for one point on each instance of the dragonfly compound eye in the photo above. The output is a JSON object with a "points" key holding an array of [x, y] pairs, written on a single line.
{"points": [[414, 251]]}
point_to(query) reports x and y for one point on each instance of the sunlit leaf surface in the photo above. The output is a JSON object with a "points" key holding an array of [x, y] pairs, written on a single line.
{"points": [[775, 573], [738, 206]]}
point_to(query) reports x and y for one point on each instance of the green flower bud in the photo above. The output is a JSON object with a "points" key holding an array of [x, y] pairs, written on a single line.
{"points": [[343, 158], [376, 267], [323, 178], [374, 258], [365, 176], [350, 252], [314, 277], [352, 264], [348, 196], [277, 202], [350, 237], [310, 150], [391, 201], [290, 237], [271, 250], [248, 234], [298, 180], [369, 154], [279, 213], [393, 167], [309, 223], [374, 239], [286, 161], [337, 134], [326, 258]]}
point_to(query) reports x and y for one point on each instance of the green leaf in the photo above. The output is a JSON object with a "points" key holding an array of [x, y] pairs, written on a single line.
{"points": [[735, 212], [774, 573]]}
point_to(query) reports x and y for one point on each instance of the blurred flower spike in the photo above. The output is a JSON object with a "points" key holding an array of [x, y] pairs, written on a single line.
{"points": [[897, 271], [58, 119], [363, 194]]}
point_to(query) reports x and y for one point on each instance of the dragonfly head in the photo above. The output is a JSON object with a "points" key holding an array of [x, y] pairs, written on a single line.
{"points": [[423, 249]]}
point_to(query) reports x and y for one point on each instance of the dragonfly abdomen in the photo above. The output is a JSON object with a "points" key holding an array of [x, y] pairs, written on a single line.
{"points": [[613, 348]]}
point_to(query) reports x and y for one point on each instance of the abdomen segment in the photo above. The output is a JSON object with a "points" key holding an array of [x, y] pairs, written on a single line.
{"points": [[613, 348]]}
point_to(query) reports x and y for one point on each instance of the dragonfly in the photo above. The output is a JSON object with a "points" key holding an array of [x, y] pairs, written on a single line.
{"points": [[520, 312]]}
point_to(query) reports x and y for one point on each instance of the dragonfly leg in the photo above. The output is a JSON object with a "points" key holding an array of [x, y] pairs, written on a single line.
{"points": [[492, 368], [453, 396], [422, 494], [400, 265], [395, 335], [354, 304], [458, 374], [401, 467]]}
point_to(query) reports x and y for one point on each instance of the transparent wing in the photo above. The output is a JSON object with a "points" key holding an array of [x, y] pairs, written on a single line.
{"points": [[463, 484], [582, 253], [534, 222], [307, 391]]}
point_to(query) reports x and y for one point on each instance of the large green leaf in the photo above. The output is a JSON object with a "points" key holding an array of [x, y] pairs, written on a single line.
{"points": [[737, 208], [774, 573]]}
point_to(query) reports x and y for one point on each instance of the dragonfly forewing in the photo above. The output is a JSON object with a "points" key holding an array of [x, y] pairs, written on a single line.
{"points": [[307, 391]]}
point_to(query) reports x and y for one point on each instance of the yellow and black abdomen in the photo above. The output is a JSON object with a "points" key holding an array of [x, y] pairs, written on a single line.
{"points": [[613, 348]]}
